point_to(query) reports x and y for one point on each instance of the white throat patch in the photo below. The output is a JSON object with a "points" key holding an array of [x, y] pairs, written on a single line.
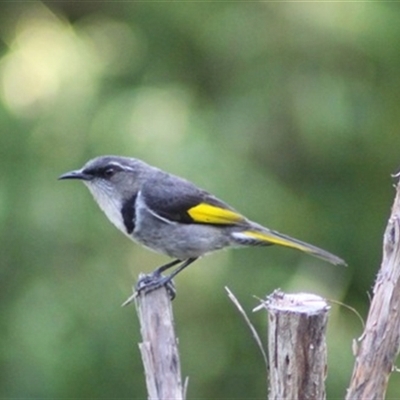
{"points": [[110, 206]]}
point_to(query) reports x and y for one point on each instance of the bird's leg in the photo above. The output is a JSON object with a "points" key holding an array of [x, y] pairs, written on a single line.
{"points": [[151, 281], [167, 280], [156, 280], [164, 267], [148, 281]]}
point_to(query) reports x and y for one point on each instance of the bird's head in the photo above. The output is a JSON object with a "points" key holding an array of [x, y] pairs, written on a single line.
{"points": [[112, 180]]}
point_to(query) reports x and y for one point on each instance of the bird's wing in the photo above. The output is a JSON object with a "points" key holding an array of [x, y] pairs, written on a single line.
{"points": [[178, 200]]}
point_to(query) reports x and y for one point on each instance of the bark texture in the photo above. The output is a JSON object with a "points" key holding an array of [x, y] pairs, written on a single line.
{"points": [[297, 346], [379, 344]]}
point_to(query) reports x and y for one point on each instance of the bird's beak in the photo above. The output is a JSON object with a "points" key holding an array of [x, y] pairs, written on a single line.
{"points": [[78, 174]]}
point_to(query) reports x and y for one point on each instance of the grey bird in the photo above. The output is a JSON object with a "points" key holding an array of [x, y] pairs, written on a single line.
{"points": [[172, 216]]}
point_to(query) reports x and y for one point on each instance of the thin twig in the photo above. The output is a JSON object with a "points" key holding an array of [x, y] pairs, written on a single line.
{"points": [[250, 325]]}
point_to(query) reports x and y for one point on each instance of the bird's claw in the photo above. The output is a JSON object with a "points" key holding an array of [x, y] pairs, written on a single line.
{"points": [[151, 282], [154, 281]]}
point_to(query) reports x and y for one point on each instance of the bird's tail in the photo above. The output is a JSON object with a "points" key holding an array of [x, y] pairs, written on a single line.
{"points": [[260, 236]]}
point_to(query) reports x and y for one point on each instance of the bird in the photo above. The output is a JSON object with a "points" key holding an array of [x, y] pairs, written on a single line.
{"points": [[170, 215]]}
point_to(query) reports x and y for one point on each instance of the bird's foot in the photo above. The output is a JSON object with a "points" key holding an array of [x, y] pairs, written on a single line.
{"points": [[148, 283], [154, 281]]}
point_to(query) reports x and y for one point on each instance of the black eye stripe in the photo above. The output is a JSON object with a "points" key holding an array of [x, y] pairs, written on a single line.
{"points": [[104, 172]]}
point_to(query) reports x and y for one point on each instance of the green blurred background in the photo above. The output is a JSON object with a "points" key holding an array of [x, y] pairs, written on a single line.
{"points": [[288, 111]]}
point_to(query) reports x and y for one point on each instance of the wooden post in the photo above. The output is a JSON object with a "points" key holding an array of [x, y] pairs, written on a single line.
{"points": [[159, 347], [296, 345], [380, 341]]}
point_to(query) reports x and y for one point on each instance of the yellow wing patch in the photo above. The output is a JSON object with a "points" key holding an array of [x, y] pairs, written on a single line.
{"points": [[208, 214], [277, 240]]}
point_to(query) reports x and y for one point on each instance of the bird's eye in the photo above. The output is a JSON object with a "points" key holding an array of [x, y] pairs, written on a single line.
{"points": [[109, 172]]}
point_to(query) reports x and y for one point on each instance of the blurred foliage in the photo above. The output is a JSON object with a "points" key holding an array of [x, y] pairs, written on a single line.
{"points": [[288, 111]]}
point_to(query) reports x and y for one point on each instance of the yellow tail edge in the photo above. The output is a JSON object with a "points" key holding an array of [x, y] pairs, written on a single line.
{"points": [[272, 237]]}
